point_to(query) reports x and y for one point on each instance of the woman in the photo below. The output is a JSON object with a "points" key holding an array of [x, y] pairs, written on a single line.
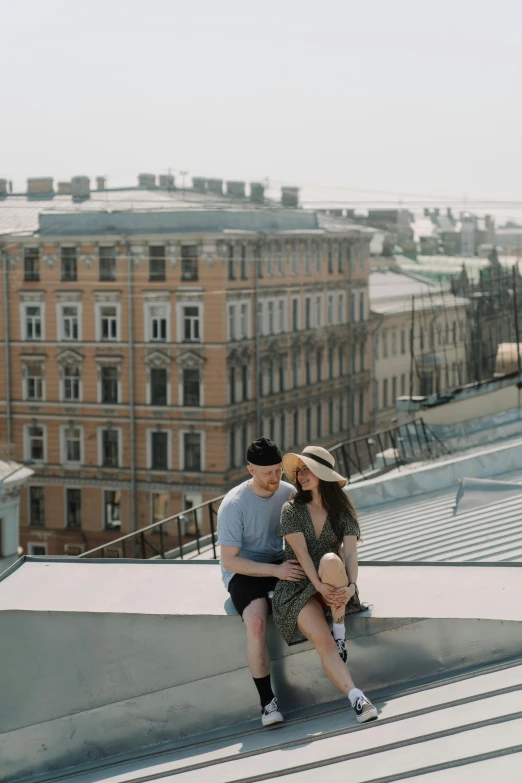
{"points": [[316, 523]]}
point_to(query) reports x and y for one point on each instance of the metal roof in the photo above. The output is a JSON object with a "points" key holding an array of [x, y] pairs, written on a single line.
{"points": [[391, 292], [425, 528]]}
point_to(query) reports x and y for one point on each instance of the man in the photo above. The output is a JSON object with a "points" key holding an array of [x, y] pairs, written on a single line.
{"points": [[252, 558]]}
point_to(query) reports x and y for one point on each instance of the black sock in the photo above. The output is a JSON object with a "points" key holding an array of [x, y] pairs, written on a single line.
{"points": [[264, 688]]}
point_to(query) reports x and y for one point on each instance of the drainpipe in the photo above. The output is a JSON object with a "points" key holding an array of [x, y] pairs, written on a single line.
{"points": [[130, 318], [7, 352]]}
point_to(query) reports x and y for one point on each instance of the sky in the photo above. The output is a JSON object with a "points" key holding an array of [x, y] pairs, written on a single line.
{"points": [[350, 100]]}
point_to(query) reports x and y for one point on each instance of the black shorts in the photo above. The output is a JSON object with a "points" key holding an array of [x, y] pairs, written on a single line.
{"points": [[244, 589]]}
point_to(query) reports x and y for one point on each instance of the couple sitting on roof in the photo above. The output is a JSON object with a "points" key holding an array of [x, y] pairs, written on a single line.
{"points": [[308, 578]]}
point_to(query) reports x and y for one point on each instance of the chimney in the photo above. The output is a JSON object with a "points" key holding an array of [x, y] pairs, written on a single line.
{"points": [[257, 192], [81, 187], [40, 187], [146, 180], [3, 188], [100, 183], [199, 184], [236, 188], [166, 181], [290, 197], [65, 188], [215, 186]]}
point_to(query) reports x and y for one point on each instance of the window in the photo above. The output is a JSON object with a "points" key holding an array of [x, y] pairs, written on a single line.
{"points": [[36, 443], [231, 322], [189, 262], [71, 383], [243, 321], [330, 259], [341, 360], [70, 328], [403, 341], [422, 338], [107, 263], [108, 322], [232, 384], [281, 320], [271, 429], [282, 375], [454, 332], [111, 509], [295, 370], [341, 414], [36, 507], [295, 314], [308, 312], [294, 250], [308, 261], [244, 274], [191, 387], [158, 323], [69, 264], [73, 508], [340, 260], [270, 316], [319, 364], [159, 450], [31, 264], [331, 424], [282, 431], [331, 309], [156, 262], [403, 385], [72, 451], [331, 362], [110, 448], [361, 408], [384, 343], [33, 322], [318, 311], [35, 381], [258, 262], [318, 259], [271, 377], [385, 393], [192, 451], [36, 550], [362, 350], [353, 308], [244, 382], [362, 306], [158, 386], [394, 390], [308, 370], [296, 431], [319, 421], [309, 424], [231, 263], [341, 309], [109, 385], [191, 327]]}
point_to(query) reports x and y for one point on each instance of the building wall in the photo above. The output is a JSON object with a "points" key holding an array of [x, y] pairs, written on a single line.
{"points": [[296, 268]]}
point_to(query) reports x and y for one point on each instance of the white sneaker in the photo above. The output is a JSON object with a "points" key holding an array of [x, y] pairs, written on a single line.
{"points": [[270, 714]]}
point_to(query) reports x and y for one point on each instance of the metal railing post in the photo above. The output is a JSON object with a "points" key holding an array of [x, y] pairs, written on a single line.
{"points": [[180, 545], [162, 547], [212, 536]]}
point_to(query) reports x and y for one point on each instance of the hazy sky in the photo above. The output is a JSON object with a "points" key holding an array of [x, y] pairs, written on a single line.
{"points": [[406, 96]]}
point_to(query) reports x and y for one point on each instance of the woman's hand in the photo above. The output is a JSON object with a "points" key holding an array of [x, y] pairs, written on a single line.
{"points": [[342, 595], [329, 594]]}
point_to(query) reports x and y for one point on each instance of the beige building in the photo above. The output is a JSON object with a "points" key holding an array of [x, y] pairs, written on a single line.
{"points": [[438, 340], [137, 369]]}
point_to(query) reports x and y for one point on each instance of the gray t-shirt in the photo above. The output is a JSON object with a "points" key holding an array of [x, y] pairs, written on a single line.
{"points": [[252, 523]]}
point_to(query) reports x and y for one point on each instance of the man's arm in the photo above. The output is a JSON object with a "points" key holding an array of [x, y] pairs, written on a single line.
{"points": [[290, 571]]}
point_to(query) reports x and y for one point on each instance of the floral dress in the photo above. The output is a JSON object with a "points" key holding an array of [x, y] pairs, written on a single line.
{"points": [[290, 597]]}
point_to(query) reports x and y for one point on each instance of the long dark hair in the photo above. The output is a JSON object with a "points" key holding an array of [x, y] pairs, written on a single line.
{"points": [[336, 502]]}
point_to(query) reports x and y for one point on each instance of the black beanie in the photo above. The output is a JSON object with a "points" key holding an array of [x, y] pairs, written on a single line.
{"points": [[263, 452]]}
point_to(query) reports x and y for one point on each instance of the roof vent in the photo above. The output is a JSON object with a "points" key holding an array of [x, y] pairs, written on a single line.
{"points": [[290, 197], [100, 183], [475, 493], [215, 186], [199, 184], [146, 180], [166, 181], [81, 187], [64, 188], [257, 192], [236, 188], [40, 187]]}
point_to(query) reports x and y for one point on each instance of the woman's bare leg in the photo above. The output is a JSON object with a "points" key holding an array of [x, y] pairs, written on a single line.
{"points": [[312, 623], [332, 572]]}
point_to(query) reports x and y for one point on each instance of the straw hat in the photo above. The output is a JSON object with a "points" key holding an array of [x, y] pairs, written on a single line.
{"points": [[318, 460]]}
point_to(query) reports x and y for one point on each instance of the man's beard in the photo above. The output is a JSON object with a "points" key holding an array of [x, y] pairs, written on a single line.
{"points": [[268, 487]]}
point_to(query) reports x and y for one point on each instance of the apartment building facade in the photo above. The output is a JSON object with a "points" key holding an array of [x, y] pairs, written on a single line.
{"points": [[146, 349]]}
